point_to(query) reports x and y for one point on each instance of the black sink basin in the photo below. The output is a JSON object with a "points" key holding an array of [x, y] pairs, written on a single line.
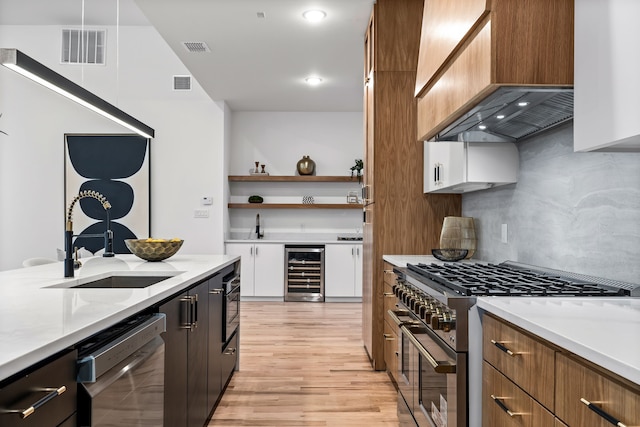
{"points": [[123, 282]]}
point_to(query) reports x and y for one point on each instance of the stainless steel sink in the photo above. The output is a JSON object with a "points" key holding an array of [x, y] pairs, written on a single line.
{"points": [[123, 282]]}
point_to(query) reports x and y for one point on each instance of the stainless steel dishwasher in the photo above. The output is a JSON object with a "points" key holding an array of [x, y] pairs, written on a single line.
{"points": [[304, 273], [121, 375]]}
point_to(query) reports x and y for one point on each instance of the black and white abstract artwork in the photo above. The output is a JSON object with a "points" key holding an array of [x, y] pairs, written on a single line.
{"points": [[118, 167]]}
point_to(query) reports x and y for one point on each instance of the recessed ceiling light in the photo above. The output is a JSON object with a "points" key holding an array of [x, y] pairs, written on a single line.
{"points": [[314, 15], [313, 80], [523, 104], [482, 127], [500, 116]]}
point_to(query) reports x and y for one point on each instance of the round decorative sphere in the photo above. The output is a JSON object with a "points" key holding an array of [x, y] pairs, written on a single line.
{"points": [[153, 249], [306, 166]]}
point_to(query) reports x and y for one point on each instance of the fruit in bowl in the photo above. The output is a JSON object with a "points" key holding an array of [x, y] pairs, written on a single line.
{"points": [[153, 249]]}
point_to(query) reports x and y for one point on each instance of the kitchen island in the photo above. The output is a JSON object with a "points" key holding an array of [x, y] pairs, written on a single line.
{"points": [[42, 314]]}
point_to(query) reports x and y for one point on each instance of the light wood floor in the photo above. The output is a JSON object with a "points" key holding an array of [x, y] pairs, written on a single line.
{"points": [[304, 364]]}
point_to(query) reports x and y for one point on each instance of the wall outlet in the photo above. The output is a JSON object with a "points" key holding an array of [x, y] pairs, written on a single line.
{"points": [[503, 235], [201, 213]]}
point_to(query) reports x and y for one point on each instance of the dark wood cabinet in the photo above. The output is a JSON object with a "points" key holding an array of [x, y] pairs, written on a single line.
{"points": [[186, 350], [197, 362], [216, 313], [55, 379], [198, 336]]}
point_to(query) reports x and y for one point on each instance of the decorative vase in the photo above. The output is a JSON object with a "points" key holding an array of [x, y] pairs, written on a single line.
{"points": [[458, 233], [306, 166]]}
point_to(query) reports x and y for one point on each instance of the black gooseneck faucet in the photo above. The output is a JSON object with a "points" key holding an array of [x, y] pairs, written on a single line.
{"points": [[69, 263]]}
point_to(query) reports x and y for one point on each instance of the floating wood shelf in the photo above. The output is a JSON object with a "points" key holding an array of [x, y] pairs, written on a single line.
{"points": [[295, 206], [292, 178]]}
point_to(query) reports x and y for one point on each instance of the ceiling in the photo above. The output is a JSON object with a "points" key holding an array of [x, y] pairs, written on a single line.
{"points": [[254, 63]]}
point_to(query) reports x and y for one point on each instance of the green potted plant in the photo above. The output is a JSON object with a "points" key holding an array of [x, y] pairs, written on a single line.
{"points": [[357, 168]]}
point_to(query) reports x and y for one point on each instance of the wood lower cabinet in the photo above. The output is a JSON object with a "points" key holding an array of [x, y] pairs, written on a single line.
{"points": [[527, 381], [504, 404], [578, 385], [520, 357], [398, 217], [391, 332]]}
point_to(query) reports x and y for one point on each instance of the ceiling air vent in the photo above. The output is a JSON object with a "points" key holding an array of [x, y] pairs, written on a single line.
{"points": [[181, 82], [83, 47], [196, 47]]}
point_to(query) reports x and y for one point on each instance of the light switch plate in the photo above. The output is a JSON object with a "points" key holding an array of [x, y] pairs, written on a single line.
{"points": [[201, 213]]}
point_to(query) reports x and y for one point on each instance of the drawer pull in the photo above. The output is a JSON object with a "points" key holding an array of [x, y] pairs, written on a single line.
{"points": [[230, 352], [389, 294], [24, 413], [388, 337], [503, 348], [602, 413], [503, 406]]}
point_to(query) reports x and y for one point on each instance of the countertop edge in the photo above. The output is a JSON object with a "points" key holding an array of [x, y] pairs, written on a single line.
{"points": [[30, 358], [554, 336]]}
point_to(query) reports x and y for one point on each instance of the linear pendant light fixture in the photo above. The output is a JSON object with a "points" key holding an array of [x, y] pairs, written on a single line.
{"points": [[32, 69]]}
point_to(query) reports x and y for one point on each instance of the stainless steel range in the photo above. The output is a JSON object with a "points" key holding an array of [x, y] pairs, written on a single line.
{"points": [[440, 348]]}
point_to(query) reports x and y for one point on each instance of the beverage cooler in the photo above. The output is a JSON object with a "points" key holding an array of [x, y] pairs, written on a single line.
{"points": [[304, 275]]}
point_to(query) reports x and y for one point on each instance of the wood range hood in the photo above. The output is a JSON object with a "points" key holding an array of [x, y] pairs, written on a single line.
{"points": [[494, 70]]}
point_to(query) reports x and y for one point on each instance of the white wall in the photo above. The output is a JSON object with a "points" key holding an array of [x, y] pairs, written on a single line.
{"points": [[278, 140], [187, 154]]}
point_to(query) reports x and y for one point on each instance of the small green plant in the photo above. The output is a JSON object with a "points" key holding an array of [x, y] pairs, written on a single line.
{"points": [[357, 168]]}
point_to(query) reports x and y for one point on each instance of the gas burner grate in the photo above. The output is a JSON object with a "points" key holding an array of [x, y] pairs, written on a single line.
{"points": [[502, 280]]}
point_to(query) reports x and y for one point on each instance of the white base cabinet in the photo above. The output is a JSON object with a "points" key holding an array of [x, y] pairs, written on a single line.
{"points": [[261, 268], [460, 167], [343, 270]]}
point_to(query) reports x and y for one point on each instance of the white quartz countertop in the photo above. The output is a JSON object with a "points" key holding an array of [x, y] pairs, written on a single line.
{"points": [[605, 331], [41, 315], [294, 238]]}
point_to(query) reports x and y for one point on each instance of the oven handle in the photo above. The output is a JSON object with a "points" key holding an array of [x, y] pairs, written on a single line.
{"points": [[438, 367], [235, 278], [398, 321]]}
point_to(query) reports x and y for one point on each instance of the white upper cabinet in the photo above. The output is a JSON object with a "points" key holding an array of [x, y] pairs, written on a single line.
{"points": [[460, 167], [607, 75]]}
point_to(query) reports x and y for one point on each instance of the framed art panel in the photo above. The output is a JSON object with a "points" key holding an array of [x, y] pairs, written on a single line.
{"points": [[118, 167]]}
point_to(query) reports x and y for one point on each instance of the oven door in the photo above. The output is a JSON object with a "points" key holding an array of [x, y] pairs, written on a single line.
{"points": [[439, 379], [231, 307]]}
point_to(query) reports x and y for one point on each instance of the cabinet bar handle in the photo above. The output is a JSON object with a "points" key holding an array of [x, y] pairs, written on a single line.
{"points": [[230, 351], [503, 406], [503, 348], [389, 294], [24, 413], [388, 337], [216, 291], [602, 413]]}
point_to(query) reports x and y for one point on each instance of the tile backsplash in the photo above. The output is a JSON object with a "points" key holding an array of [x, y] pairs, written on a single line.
{"points": [[578, 212]]}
